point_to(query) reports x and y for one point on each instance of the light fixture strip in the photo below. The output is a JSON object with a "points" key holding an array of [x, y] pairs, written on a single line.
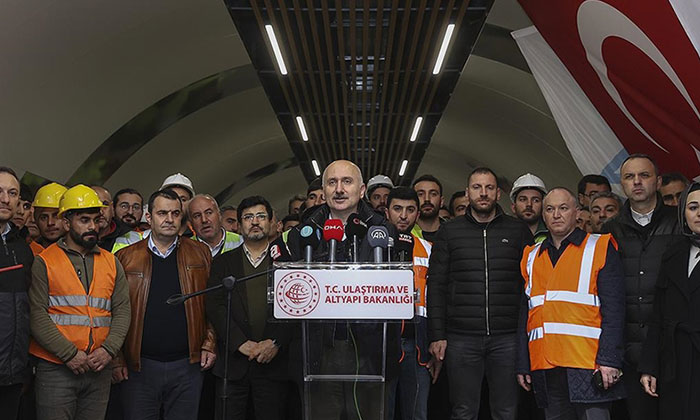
{"points": [[317, 171], [404, 164], [416, 129], [443, 48], [302, 128], [276, 49]]}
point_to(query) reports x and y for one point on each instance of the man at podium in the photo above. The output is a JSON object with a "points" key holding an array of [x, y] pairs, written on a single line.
{"points": [[340, 347]]}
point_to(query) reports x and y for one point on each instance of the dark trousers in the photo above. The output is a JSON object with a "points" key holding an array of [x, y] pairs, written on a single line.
{"points": [[468, 359], [9, 400], [267, 396], [173, 386], [560, 406], [640, 406], [411, 388], [63, 395]]}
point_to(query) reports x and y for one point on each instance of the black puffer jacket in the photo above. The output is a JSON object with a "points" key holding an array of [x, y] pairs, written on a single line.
{"points": [[641, 249], [474, 280], [16, 260]]}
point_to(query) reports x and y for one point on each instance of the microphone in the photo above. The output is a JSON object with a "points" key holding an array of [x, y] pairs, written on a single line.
{"points": [[404, 246], [355, 229], [333, 231], [390, 247], [378, 239], [309, 238]]}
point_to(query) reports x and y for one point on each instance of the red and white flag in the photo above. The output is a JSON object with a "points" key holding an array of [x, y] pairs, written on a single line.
{"points": [[619, 77]]}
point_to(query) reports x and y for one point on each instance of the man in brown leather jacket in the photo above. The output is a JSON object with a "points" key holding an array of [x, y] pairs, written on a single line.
{"points": [[167, 346]]}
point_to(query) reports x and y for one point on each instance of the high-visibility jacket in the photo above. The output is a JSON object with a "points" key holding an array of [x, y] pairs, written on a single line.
{"points": [[129, 238], [83, 318], [564, 320], [421, 256], [36, 248]]}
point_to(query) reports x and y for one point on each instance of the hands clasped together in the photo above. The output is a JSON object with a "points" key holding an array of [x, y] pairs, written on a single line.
{"points": [[263, 351]]}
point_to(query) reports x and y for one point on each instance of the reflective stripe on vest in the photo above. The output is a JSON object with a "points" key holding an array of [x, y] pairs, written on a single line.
{"points": [[82, 318], [421, 257], [129, 238], [564, 319], [231, 242]]}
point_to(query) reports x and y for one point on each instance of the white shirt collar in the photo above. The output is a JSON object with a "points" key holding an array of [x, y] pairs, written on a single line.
{"points": [[6, 230], [255, 262], [215, 250], [154, 249], [694, 258], [642, 219]]}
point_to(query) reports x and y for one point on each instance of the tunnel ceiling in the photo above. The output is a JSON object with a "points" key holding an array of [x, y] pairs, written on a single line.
{"points": [[357, 76]]}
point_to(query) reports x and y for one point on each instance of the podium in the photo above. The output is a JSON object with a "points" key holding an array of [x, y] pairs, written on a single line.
{"points": [[350, 316]]}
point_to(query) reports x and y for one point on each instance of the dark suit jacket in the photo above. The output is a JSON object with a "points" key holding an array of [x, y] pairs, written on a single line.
{"points": [[230, 264], [672, 348]]}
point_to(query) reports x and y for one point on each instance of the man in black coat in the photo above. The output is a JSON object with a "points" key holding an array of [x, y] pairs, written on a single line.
{"points": [[337, 345], [644, 229], [15, 275], [474, 291]]}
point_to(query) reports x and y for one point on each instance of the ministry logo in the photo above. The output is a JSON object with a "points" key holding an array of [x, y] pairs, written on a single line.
{"points": [[297, 293]]}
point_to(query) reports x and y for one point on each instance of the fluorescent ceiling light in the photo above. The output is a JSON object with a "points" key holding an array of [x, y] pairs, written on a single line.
{"points": [[302, 128], [315, 165], [443, 48], [416, 129], [276, 48], [404, 164]]}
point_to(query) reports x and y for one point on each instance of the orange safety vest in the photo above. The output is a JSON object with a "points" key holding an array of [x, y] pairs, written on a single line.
{"points": [[564, 321], [83, 318], [36, 248], [421, 256]]}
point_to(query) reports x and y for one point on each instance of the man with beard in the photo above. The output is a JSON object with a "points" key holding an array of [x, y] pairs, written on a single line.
{"points": [[257, 368], [672, 186], [526, 197], [429, 191], [378, 188], [417, 366], [128, 207], [474, 276], [109, 228], [45, 205], [604, 206], [15, 264], [80, 314]]}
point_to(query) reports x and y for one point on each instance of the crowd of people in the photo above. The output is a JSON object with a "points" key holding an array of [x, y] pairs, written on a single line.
{"points": [[578, 305]]}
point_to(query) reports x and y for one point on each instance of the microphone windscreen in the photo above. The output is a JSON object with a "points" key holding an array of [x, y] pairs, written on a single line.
{"points": [[333, 229], [355, 227], [308, 236], [404, 243], [378, 236]]}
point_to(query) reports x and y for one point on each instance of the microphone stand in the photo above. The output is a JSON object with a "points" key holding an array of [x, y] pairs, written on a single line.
{"points": [[227, 283]]}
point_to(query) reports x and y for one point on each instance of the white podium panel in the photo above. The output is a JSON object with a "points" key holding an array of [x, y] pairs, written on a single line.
{"points": [[334, 294]]}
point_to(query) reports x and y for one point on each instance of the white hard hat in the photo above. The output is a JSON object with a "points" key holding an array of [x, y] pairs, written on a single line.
{"points": [[178, 180], [527, 181], [378, 181]]}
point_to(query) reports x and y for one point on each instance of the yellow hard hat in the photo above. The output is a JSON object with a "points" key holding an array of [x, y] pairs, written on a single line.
{"points": [[49, 196], [79, 197]]}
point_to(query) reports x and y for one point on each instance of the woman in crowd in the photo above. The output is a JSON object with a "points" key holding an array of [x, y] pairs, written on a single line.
{"points": [[670, 364]]}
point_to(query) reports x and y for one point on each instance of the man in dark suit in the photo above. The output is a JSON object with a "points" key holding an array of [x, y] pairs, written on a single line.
{"points": [[257, 348]]}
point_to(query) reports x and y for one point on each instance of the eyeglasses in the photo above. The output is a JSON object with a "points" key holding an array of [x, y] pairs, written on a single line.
{"points": [[125, 206], [258, 216]]}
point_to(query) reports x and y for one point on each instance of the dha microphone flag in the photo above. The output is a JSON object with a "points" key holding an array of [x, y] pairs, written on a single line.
{"points": [[333, 230]]}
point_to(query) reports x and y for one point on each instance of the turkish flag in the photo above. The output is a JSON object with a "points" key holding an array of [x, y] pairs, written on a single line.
{"points": [[637, 65]]}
